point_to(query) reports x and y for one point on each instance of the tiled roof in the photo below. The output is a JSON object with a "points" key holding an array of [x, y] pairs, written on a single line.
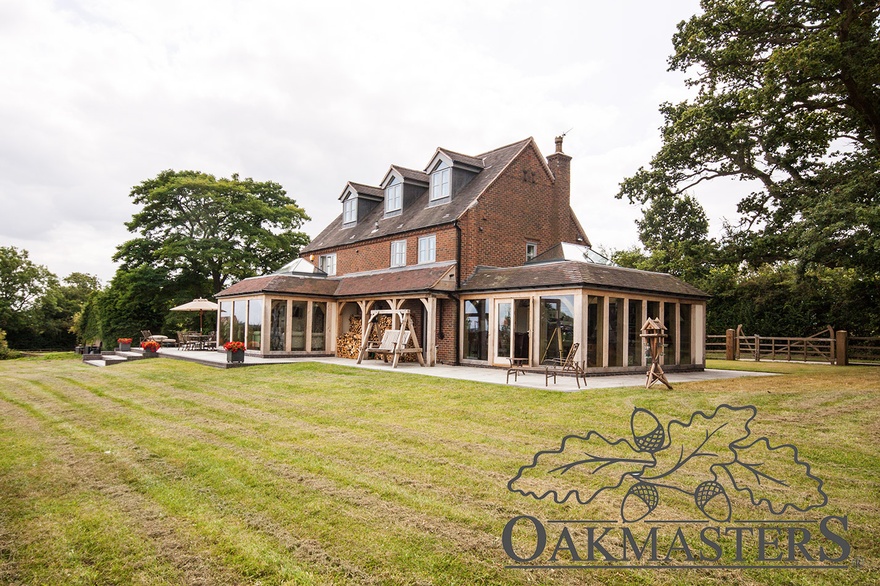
{"points": [[367, 189], [581, 274], [393, 280], [466, 159], [401, 280], [282, 284], [412, 174], [419, 214]]}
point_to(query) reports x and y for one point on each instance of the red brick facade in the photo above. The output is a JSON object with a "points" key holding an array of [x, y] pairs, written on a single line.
{"points": [[528, 201], [374, 255], [524, 204]]}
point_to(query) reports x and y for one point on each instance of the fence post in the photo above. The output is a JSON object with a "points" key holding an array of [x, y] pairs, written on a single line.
{"points": [[842, 347], [730, 345], [757, 348]]}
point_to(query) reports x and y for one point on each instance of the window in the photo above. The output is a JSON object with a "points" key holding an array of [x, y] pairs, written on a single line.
{"points": [[327, 263], [349, 211], [476, 323], [531, 251], [427, 249], [393, 198], [398, 253], [440, 184]]}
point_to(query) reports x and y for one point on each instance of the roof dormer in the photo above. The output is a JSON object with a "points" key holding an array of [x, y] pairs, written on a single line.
{"points": [[401, 187], [449, 172], [358, 200]]}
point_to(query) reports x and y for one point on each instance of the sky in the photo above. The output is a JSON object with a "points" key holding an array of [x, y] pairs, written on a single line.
{"points": [[98, 96]]}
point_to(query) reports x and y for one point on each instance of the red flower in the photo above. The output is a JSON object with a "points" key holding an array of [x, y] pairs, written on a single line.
{"points": [[234, 346], [124, 340], [150, 346]]}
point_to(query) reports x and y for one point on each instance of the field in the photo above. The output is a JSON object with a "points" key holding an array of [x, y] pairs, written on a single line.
{"points": [[166, 472]]}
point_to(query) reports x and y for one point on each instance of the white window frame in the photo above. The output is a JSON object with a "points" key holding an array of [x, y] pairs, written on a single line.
{"points": [[533, 248], [398, 253], [349, 211], [440, 183], [327, 263], [393, 198], [428, 249]]}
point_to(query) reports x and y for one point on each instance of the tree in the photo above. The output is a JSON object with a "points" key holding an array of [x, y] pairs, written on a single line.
{"points": [[23, 286], [787, 99], [674, 230], [196, 227]]}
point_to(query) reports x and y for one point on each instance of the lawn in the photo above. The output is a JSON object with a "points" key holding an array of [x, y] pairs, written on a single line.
{"points": [[167, 472]]}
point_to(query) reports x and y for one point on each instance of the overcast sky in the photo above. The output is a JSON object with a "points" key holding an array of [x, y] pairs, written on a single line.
{"points": [[98, 96]]}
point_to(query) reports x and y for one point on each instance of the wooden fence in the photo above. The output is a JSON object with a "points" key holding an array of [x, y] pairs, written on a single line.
{"points": [[828, 345]]}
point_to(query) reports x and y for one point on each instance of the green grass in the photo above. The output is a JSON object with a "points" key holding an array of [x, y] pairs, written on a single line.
{"points": [[166, 472]]}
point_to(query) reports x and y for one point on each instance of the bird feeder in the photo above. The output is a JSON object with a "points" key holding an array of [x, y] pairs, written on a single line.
{"points": [[654, 334]]}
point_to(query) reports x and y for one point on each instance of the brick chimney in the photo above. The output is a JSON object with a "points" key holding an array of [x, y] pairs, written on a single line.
{"points": [[560, 165]]}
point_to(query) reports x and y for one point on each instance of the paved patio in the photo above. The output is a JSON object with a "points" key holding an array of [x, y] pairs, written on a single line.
{"points": [[471, 373]]}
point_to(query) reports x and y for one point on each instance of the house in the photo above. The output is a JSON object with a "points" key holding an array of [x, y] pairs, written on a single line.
{"points": [[486, 254]]}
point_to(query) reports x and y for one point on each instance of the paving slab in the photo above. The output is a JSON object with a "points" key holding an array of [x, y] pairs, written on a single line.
{"points": [[471, 373]]}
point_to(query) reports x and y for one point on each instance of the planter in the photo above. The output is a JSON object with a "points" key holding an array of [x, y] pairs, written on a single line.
{"points": [[124, 347], [148, 354], [237, 356]]}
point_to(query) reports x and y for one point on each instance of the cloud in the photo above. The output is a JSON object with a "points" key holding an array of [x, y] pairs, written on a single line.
{"points": [[101, 95]]}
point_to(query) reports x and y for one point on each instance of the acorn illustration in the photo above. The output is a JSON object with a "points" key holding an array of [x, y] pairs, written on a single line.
{"points": [[640, 500], [711, 498], [647, 431]]}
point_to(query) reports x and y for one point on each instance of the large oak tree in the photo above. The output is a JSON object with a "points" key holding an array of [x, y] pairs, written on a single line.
{"points": [[787, 98], [193, 226]]}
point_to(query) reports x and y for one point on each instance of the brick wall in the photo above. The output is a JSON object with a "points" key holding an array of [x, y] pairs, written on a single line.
{"points": [[376, 255], [447, 310], [524, 205]]}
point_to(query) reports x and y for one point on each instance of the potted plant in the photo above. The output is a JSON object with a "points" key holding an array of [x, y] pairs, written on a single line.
{"points": [[151, 348], [124, 344], [234, 351]]}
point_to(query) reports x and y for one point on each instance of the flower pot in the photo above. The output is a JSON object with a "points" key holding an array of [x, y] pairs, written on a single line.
{"points": [[236, 356], [148, 354], [124, 347]]}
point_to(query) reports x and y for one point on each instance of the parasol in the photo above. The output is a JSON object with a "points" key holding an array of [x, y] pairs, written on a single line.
{"points": [[199, 305]]}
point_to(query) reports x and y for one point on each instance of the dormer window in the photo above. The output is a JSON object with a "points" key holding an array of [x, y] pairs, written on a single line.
{"points": [[440, 184], [393, 199], [349, 211]]}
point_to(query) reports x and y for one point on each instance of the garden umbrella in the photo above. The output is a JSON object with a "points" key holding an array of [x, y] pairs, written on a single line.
{"points": [[199, 305]]}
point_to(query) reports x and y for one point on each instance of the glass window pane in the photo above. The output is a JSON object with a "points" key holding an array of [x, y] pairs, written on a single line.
{"points": [[635, 350], [225, 322], [298, 325], [556, 327], [255, 324], [476, 320], [319, 320], [504, 330], [278, 327], [595, 330], [684, 342], [239, 318], [669, 321], [615, 331]]}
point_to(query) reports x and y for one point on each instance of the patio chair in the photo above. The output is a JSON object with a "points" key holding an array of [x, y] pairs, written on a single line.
{"points": [[183, 343], [163, 340], [569, 365]]}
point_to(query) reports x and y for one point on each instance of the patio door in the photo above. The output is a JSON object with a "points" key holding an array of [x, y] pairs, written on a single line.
{"points": [[513, 320]]}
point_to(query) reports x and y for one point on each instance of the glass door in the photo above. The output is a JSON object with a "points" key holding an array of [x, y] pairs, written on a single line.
{"points": [[513, 331]]}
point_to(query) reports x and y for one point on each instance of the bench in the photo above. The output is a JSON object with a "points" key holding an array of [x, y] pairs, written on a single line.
{"points": [[388, 345]]}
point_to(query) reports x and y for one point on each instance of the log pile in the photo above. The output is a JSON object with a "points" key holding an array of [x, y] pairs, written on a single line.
{"points": [[348, 345]]}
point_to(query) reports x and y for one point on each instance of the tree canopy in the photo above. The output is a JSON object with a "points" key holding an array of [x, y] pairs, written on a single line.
{"points": [[196, 226], [787, 99]]}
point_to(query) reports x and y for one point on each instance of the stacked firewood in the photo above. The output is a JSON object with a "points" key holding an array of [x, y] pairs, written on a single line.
{"points": [[349, 344]]}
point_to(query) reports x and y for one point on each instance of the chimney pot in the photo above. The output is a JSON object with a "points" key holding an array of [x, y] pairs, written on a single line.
{"points": [[559, 144]]}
